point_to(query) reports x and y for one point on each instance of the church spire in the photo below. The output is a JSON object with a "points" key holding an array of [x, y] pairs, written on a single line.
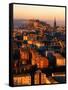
{"points": [[54, 23]]}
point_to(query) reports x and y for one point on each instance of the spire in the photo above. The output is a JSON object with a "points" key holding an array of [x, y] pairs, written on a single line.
{"points": [[54, 23]]}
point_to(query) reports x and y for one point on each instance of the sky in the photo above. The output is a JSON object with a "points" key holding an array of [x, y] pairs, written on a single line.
{"points": [[46, 13]]}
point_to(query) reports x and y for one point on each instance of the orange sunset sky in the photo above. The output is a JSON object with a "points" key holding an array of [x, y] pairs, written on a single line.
{"points": [[38, 12]]}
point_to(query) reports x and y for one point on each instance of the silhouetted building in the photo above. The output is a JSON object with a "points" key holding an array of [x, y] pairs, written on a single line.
{"points": [[54, 24]]}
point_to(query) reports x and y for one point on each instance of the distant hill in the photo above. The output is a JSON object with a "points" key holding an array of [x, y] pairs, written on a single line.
{"points": [[19, 22]]}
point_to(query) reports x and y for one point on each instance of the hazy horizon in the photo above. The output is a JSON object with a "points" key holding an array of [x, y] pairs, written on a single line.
{"points": [[44, 13], [51, 22]]}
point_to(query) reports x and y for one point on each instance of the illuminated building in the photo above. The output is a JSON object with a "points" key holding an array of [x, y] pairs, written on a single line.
{"points": [[25, 55], [36, 23], [60, 60], [25, 37], [22, 79], [39, 44], [40, 61], [30, 42]]}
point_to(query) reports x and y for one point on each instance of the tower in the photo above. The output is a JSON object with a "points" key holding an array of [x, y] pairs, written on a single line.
{"points": [[54, 24]]}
